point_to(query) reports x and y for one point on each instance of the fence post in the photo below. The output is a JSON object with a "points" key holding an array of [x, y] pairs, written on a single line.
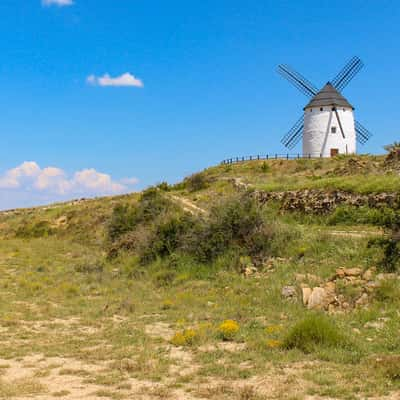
{"points": [[267, 156], [258, 157], [287, 156]]}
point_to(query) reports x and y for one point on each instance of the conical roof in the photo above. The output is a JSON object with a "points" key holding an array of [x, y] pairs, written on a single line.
{"points": [[328, 96]]}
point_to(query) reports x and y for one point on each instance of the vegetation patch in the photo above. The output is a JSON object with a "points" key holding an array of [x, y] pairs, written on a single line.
{"points": [[316, 330]]}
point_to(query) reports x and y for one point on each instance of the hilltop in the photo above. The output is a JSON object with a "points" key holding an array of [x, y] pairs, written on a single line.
{"points": [[257, 280]]}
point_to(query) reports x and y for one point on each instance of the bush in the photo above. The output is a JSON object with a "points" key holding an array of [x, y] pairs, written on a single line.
{"points": [[158, 229], [314, 331], [34, 230], [361, 215], [196, 182], [390, 244], [228, 329], [236, 223], [391, 253], [388, 290], [265, 167], [185, 338], [125, 218], [163, 186], [167, 237]]}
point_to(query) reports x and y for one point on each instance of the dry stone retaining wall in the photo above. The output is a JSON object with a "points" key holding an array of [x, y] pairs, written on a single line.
{"points": [[322, 201]]}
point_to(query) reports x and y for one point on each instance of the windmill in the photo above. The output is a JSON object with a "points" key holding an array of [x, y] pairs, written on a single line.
{"points": [[327, 126]]}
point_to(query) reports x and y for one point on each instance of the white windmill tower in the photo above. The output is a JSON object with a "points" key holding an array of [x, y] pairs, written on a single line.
{"points": [[327, 127]]}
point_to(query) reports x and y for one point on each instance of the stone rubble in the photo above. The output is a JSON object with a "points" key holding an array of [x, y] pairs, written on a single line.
{"points": [[326, 295]]}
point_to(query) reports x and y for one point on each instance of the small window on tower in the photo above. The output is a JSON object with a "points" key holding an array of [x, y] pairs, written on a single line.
{"points": [[321, 109], [333, 129]]}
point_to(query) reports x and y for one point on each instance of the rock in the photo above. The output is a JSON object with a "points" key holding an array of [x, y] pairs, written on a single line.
{"points": [[306, 295], [340, 273], [300, 277], [289, 292], [354, 281], [61, 221], [383, 277], [330, 287], [369, 274], [314, 278], [317, 299], [249, 270], [345, 305], [352, 271], [374, 325], [371, 286], [362, 301], [331, 309]]}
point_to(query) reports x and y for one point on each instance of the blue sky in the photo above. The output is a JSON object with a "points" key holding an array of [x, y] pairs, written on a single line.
{"points": [[203, 86]]}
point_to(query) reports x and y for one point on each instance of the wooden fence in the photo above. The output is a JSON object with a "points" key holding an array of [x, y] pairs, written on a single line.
{"points": [[235, 160]]}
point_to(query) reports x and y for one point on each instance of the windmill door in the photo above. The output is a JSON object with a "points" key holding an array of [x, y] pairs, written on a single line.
{"points": [[334, 152]]}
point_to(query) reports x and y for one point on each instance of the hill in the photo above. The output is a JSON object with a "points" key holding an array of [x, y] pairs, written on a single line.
{"points": [[257, 280]]}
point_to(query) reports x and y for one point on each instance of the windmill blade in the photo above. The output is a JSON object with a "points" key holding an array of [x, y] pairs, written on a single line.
{"points": [[349, 71], [363, 135], [294, 135], [298, 80]]}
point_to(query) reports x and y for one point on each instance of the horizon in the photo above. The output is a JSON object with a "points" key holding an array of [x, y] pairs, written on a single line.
{"points": [[101, 99]]}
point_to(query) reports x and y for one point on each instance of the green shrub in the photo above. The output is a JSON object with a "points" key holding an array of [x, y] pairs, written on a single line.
{"points": [[167, 237], [164, 277], [157, 229], [265, 167], [349, 215], [315, 331], [163, 186], [237, 223], [34, 230], [196, 182], [388, 290], [390, 244], [125, 218]]}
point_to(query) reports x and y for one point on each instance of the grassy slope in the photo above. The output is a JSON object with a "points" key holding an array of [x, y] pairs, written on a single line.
{"points": [[106, 326]]}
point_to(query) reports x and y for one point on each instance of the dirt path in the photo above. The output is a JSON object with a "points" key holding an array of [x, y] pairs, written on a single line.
{"points": [[353, 234], [188, 205]]}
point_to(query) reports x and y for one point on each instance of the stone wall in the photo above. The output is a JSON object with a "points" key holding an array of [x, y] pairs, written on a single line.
{"points": [[323, 201]]}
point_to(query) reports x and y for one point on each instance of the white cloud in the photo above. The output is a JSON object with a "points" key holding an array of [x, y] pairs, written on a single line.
{"points": [[51, 184], [126, 79], [60, 3]]}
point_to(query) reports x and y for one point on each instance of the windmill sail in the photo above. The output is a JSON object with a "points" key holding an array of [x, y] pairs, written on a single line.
{"points": [[363, 135], [298, 80], [294, 135], [349, 71]]}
